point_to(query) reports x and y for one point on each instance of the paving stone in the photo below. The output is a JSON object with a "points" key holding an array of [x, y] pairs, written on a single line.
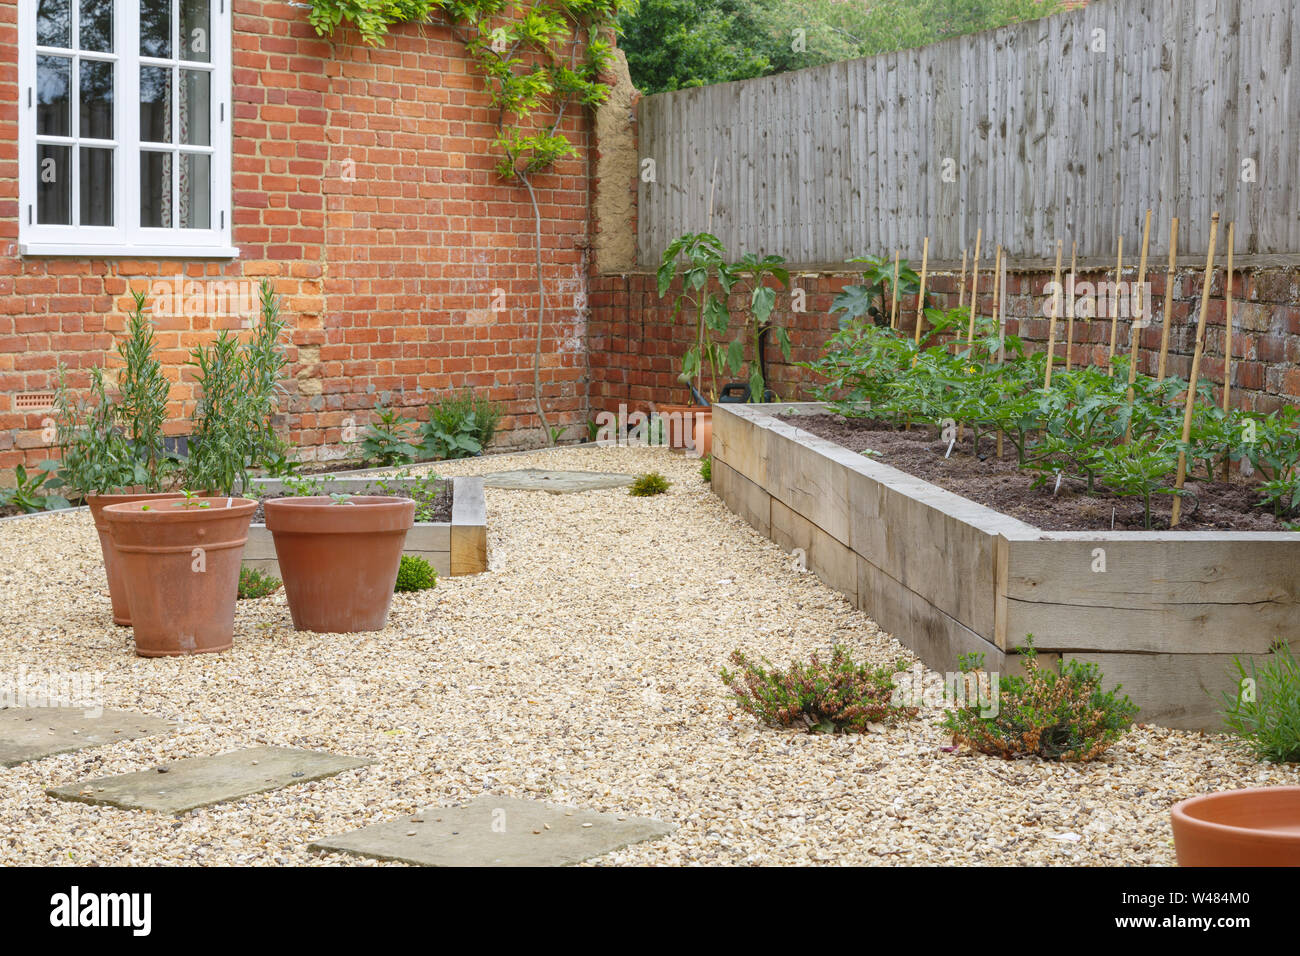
{"points": [[202, 781], [556, 482], [31, 733], [497, 831]]}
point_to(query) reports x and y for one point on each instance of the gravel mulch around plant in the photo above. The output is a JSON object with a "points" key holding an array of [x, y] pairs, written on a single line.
{"points": [[581, 669]]}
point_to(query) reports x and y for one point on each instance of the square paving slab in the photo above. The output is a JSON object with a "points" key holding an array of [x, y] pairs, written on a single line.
{"points": [[202, 781], [556, 482], [30, 733], [497, 831]]}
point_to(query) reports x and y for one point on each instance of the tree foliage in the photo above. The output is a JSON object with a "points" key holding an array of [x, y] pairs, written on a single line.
{"points": [[672, 44]]}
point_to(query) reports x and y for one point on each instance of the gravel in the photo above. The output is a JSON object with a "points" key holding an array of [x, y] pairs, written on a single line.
{"points": [[580, 669]]}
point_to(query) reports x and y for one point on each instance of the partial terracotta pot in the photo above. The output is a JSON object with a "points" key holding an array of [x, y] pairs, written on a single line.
{"points": [[1255, 827], [689, 427], [339, 560], [180, 562], [116, 586]]}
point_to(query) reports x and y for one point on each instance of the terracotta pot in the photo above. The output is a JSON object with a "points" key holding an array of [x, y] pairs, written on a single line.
{"points": [[689, 427], [1255, 827], [339, 561], [180, 563], [116, 586]]}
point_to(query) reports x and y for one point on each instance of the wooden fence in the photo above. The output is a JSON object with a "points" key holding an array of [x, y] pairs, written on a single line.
{"points": [[1068, 127]]}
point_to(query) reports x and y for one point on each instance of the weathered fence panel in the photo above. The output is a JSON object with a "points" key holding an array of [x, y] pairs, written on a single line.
{"points": [[1068, 127]]}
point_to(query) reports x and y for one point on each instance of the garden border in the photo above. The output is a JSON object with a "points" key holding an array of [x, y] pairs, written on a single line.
{"points": [[454, 547], [948, 576]]}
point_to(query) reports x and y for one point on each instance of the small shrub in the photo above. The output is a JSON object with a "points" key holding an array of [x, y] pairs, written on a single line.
{"points": [[415, 574], [1266, 708], [1056, 715], [255, 584], [839, 696], [706, 468], [651, 483]]}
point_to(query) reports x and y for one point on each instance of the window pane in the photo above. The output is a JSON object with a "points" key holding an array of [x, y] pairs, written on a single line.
{"points": [[196, 112], [53, 77], [194, 191], [156, 28], [53, 185], [95, 28], [156, 189], [96, 187], [196, 43], [155, 104], [96, 99], [54, 24]]}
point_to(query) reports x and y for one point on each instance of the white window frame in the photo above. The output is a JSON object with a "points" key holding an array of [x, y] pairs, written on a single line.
{"points": [[126, 238]]}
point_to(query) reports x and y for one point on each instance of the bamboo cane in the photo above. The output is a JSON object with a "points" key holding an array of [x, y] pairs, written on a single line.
{"points": [[1169, 298], [1139, 313], [1227, 333], [1001, 313], [961, 286], [893, 306], [974, 289], [1056, 311], [1069, 312], [1195, 373], [920, 296], [1227, 341], [1114, 309]]}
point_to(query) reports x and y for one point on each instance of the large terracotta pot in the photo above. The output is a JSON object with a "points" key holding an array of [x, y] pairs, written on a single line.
{"points": [[339, 560], [180, 562], [690, 427], [1254, 827], [116, 586]]}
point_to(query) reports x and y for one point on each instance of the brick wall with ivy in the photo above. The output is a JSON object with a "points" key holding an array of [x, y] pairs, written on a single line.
{"points": [[363, 186]]}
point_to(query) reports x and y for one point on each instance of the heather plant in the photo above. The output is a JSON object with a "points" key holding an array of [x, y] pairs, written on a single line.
{"points": [[1265, 710], [256, 584], [650, 483], [1061, 714], [836, 696]]}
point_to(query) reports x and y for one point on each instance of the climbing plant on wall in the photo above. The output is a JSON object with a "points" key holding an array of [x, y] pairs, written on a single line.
{"points": [[538, 60]]}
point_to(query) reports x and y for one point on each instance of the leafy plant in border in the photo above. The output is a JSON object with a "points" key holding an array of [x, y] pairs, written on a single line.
{"points": [[415, 574], [460, 426], [762, 300], [872, 299], [1265, 711], [706, 468], [389, 440], [699, 260], [1056, 715], [26, 494], [836, 696], [650, 483]]}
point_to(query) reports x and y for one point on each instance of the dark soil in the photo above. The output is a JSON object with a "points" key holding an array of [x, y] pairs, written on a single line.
{"points": [[1000, 485], [430, 507]]}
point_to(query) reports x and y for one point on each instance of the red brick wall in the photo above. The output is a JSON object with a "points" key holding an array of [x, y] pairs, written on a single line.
{"points": [[636, 350], [363, 185]]}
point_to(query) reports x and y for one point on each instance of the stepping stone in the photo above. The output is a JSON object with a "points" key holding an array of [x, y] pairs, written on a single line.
{"points": [[31, 733], [496, 831], [202, 781], [556, 482]]}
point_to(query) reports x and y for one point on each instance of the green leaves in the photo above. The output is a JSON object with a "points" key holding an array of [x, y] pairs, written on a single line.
{"points": [[1265, 710]]}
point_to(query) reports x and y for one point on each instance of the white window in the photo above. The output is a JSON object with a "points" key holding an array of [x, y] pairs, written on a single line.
{"points": [[124, 128]]}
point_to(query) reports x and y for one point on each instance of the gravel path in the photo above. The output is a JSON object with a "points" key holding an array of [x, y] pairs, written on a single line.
{"points": [[582, 670]]}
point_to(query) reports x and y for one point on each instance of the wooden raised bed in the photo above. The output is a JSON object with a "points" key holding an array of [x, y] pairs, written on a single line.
{"points": [[453, 547], [948, 576]]}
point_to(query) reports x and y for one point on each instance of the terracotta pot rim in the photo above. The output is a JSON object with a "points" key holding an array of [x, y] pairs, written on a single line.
{"points": [[321, 515], [131, 510], [1180, 814]]}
